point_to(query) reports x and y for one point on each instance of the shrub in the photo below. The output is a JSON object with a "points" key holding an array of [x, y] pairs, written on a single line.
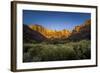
{"points": [[54, 52]]}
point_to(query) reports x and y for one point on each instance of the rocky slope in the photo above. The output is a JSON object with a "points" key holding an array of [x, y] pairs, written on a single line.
{"points": [[30, 35], [81, 32]]}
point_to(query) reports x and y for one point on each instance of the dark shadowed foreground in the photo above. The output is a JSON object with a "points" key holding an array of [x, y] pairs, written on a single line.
{"points": [[55, 52]]}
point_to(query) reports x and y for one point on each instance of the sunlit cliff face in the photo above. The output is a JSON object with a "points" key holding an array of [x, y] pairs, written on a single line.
{"points": [[50, 33], [83, 26]]}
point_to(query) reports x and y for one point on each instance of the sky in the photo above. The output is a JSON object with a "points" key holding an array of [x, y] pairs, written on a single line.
{"points": [[55, 20]]}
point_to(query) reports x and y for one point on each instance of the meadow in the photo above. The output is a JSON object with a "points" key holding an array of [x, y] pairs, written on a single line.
{"points": [[54, 51]]}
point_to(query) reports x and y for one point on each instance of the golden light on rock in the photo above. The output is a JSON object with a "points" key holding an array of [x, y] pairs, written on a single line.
{"points": [[50, 33]]}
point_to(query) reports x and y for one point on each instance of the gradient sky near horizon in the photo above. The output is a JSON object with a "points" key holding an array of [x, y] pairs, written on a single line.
{"points": [[55, 20]]}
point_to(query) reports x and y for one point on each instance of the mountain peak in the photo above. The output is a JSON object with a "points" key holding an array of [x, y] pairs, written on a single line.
{"points": [[50, 33], [82, 31], [80, 27]]}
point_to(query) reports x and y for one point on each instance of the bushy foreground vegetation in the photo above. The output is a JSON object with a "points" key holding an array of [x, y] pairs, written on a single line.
{"points": [[55, 52]]}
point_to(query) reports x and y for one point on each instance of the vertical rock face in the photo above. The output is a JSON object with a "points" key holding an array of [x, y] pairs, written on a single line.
{"points": [[50, 33], [40, 33], [82, 32], [84, 27]]}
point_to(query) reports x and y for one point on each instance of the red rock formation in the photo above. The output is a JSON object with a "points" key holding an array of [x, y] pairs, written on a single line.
{"points": [[50, 33]]}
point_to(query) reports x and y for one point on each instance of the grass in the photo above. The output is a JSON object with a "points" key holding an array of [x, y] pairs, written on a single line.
{"points": [[44, 51]]}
